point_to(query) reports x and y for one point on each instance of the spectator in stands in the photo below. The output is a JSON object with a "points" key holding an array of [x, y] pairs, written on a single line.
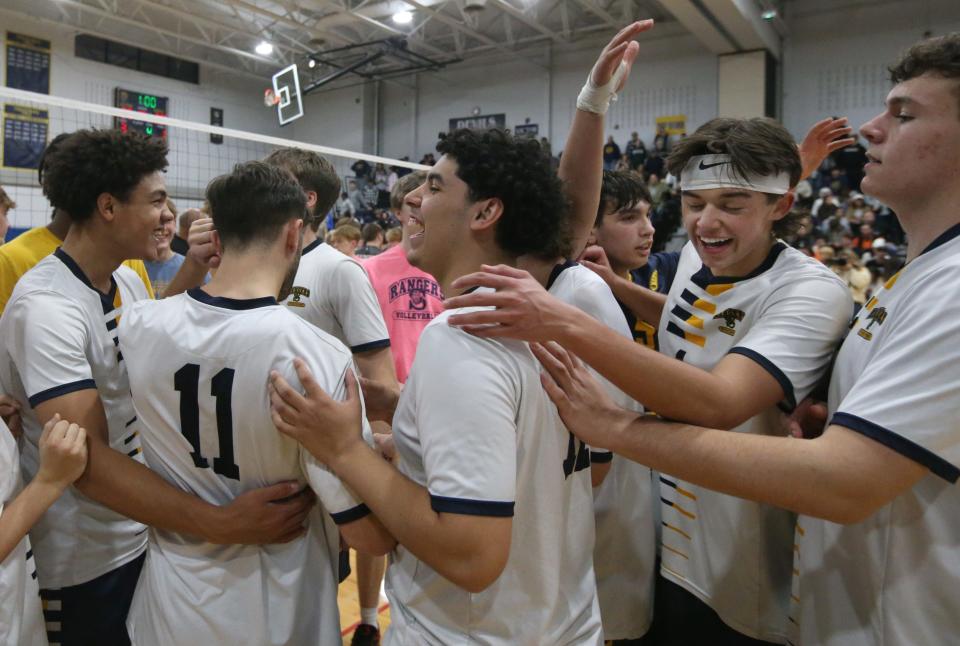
{"points": [[858, 278], [661, 143], [654, 164], [362, 171], [851, 159], [825, 196], [162, 270], [369, 195], [344, 208], [393, 237], [6, 205], [611, 154], [392, 177], [836, 181], [355, 196], [856, 206], [636, 151], [380, 179], [863, 242], [658, 189], [371, 237], [624, 163]]}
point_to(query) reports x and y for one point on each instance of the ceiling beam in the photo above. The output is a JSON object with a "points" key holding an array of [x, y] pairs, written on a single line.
{"points": [[742, 19], [600, 12], [702, 26], [527, 20]]}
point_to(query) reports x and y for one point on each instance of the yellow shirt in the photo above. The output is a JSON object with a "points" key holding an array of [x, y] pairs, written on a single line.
{"points": [[19, 255]]}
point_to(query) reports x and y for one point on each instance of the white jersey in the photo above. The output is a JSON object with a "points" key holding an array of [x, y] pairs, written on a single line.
{"points": [[21, 621], [59, 335], [625, 550], [199, 367], [788, 316], [892, 579], [332, 291], [475, 427]]}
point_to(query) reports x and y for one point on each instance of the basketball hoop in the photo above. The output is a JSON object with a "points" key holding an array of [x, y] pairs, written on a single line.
{"points": [[270, 98]]}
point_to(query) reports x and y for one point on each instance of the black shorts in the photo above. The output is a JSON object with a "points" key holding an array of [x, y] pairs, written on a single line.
{"points": [[682, 619], [92, 613]]}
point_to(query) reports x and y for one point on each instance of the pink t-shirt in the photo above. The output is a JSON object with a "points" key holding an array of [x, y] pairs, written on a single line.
{"points": [[409, 299]]}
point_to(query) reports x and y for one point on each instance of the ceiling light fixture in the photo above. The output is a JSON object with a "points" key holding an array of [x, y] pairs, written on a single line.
{"points": [[769, 14], [264, 48], [403, 17], [311, 63]]}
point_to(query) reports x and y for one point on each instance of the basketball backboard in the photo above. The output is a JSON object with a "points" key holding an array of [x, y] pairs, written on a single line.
{"points": [[286, 85]]}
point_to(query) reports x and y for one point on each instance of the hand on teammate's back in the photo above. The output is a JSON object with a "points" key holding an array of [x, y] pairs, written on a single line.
{"points": [[63, 453], [273, 514], [325, 427], [584, 405]]}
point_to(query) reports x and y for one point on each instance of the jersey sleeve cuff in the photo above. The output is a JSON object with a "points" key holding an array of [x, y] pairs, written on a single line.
{"points": [[443, 504], [789, 398], [600, 456], [900, 444], [350, 515], [63, 389], [373, 345]]}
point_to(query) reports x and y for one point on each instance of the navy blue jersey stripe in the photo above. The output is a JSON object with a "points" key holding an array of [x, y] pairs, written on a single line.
{"points": [[373, 345], [63, 389], [443, 504], [350, 515]]}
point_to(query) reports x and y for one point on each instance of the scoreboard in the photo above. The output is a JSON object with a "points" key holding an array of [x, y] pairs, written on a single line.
{"points": [[140, 102]]}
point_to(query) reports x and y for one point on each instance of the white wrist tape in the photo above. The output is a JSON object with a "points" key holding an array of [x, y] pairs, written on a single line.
{"points": [[597, 99]]}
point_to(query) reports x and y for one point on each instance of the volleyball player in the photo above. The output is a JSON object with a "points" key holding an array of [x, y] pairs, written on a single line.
{"points": [[198, 364], [877, 489], [749, 325], [60, 354]]}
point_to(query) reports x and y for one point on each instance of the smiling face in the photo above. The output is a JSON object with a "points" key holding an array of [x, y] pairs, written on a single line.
{"points": [[438, 218], [914, 145], [731, 228], [143, 220], [626, 237]]}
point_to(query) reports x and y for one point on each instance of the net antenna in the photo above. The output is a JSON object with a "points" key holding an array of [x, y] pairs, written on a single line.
{"points": [[286, 95]]}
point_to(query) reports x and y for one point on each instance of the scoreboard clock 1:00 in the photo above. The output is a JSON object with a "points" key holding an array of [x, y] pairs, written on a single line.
{"points": [[140, 102]]}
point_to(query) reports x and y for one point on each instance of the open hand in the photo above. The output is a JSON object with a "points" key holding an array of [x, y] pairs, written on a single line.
{"points": [[621, 49], [584, 405], [524, 309], [824, 137], [324, 426]]}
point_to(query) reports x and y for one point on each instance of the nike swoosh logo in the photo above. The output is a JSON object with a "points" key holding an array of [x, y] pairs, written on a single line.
{"points": [[706, 166]]}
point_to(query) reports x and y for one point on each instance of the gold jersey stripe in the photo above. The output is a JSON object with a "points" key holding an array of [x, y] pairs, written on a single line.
{"points": [[695, 338], [893, 280], [678, 530], [706, 306], [683, 511], [716, 290], [674, 550]]}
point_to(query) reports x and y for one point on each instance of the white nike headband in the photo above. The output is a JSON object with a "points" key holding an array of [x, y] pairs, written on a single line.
{"points": [[704, 172]]}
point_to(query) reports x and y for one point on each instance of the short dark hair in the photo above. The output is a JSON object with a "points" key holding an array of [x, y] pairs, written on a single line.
{"points": [[938, 56], [251, 204], [758, 146], [89, 163], [621, 189], [370, 232], [315, 173], [404, 185], [517, 170]]}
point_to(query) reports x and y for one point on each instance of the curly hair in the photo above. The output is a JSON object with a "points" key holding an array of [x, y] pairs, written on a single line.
{"points": [[621, 189], [315, 173], [517, 171], [939, 56], [251, 204], [89, 163]]}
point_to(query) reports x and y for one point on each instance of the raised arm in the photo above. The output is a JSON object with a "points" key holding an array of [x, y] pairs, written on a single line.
{"points": [[581, 165]]}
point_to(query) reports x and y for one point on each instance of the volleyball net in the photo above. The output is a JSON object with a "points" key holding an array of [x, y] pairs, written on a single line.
{"points": [[198, 152]]}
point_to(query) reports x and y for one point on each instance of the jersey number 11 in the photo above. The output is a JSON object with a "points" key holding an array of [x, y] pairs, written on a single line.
{"points": [[186, 381]]}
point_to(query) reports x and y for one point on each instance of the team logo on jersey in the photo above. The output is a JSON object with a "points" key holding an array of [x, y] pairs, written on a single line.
{"points": [[298, 292], [730, 318], [877, 316], [416, 290], [654, 283]]}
